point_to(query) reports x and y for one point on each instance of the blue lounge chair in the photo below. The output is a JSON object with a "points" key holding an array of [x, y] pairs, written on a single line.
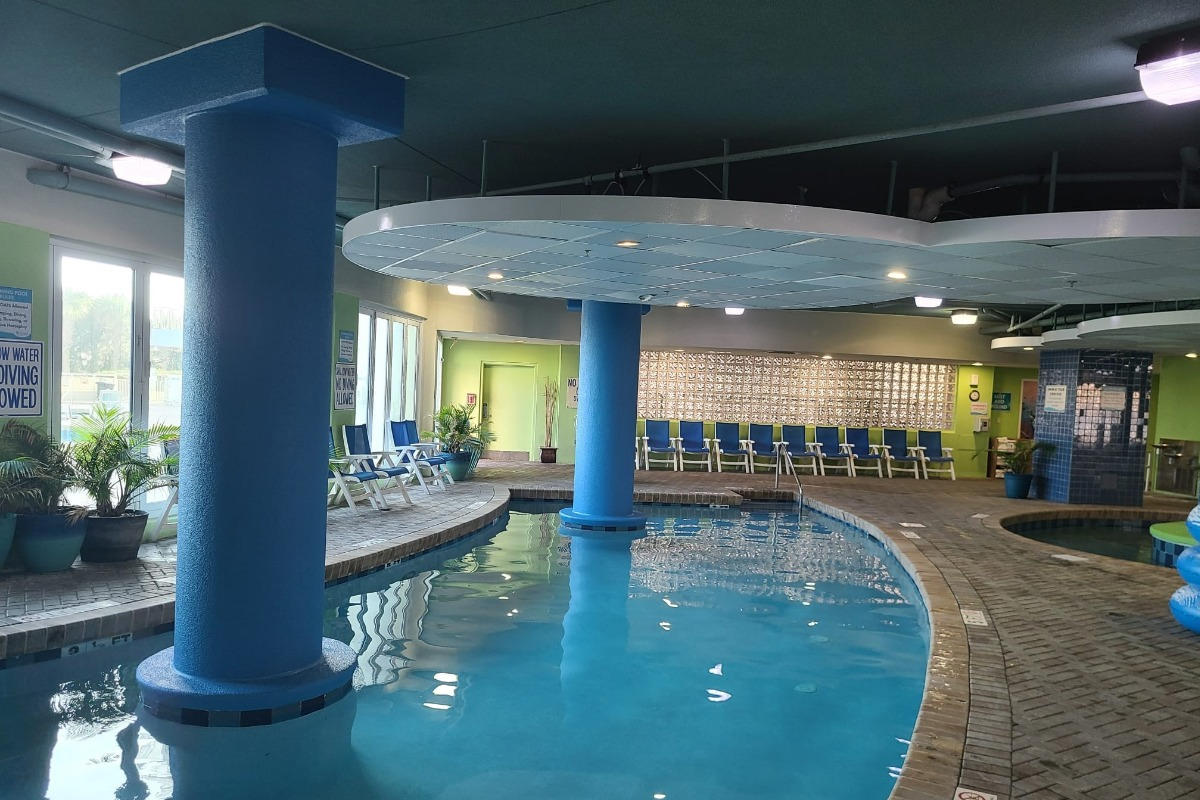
{"points": [[658, 446], [345, 471], [729, 446], [898, 455], [692, 442], [929, 445], [358, 450], [762, 445], [864, 455], [830, 446], [422, 456], [795, 448]]}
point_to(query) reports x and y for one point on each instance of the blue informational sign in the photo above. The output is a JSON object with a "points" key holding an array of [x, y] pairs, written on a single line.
{"points": [[1002, 401], [16, 313], [20, 378], [345, 347]]}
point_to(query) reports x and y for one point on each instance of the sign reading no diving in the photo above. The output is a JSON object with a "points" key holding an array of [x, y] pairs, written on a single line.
{"points": [[20, 378]]}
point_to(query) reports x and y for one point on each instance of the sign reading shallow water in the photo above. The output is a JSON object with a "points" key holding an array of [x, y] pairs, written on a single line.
{"points": [[344, 383], [16, 313], [20, 378], [1056, 398]]}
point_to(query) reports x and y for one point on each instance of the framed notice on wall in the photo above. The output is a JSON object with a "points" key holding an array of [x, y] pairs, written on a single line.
{"points": [[20, 378], [344, 385], [16, 313], [1056, 398], [572, 392]]}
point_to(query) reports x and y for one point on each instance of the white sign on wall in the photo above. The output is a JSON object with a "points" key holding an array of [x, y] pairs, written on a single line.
{"points": [[1056, 397], [572, 392], [1112, 398], [345, 379], [345, 347], [20, 378], [16, 313]]}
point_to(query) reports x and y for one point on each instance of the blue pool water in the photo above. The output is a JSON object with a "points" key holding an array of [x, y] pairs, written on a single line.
{"points": [[727, 654]]}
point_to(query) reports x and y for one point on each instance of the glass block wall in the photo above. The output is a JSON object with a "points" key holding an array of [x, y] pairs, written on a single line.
{"points": [[795, 390]]}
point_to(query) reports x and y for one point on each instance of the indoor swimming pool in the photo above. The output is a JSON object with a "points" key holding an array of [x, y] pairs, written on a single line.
{"points": [[726, 654]]}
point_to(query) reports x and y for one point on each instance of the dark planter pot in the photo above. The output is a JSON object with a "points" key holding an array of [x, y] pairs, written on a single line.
{"points": [[1017, 486], [8, 525], [114, 538], [549, 455], [49, 542], [458, 465]]}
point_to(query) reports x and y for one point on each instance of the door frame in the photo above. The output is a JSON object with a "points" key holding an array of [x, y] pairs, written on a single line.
{"points": [[483, 365]]}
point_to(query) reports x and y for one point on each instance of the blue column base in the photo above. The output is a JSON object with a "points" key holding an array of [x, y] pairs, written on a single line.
{"points": [[170, 694], [572, 518]]}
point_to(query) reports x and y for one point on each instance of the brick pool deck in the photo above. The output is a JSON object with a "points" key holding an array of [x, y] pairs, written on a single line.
{"points": [[1077, 684]]}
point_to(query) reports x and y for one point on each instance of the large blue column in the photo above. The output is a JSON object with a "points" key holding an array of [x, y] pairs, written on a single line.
{"points": [[261, 114], [609, 349]]}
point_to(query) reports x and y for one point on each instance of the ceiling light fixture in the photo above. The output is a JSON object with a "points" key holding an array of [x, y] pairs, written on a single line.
{"points": [[1026, 348], [734, 311], [627, 243], [496, 276], [976, 363], [1169, 67], [645, 297], [142, 171], [927, 302], [458, 291], [898, 275], [683, 304], [1190, 355], [964, 316], [826, 357]]}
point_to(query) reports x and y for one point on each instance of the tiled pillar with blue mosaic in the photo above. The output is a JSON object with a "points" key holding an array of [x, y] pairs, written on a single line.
{"points": [[1093, 407]]}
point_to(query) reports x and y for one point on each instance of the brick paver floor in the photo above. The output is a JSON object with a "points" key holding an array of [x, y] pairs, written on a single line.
{"points": [[1078, 684]]}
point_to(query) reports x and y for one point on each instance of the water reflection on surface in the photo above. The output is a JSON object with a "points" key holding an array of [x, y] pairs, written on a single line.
{"points": [[728, 655]]}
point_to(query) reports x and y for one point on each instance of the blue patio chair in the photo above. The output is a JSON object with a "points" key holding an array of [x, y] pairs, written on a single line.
{"points": [[762, 445], [691, 442], [897, 454], [729, 446], [422, 456], [831, 448], [864, 455], [345, 471], [358, 450], [170, 449], [795, 448], [929, 445], [658, 446]]}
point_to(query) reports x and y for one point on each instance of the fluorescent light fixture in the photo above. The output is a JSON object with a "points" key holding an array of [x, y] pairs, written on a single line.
{"points": [[976, 363], [1191, 355], [627, 243], [1026, 348], [1169, 67], [964, 316], [496, 276], [898, 275], [826, 357], [927, 302], [683, 304], [458, 291], [139, 170], [734, 311]]}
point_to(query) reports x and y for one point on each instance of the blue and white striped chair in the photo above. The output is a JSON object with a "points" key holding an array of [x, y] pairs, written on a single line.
{"points": [[898, 455], [728, 446], [929, 445], [658, 446], [422, 456], [795, 448], [863, 454], [358, 450], [763, 446], [692, 442], [346, 471], [831, 448]]}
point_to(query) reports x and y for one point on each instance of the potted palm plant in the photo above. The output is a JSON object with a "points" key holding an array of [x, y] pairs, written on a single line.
{"points": [[113, 464], [48, 533], [461, 438], [1019, 477], [550, 394]]}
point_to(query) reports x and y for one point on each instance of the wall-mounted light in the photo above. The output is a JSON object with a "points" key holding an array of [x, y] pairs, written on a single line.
{"points": [[139, 170], [927, 302], [734, 311], [1169, 67], [458, 291], [964, 316]]}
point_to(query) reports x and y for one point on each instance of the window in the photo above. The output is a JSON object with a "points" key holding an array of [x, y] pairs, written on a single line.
{"points": [[762, 387], [387, 372]]}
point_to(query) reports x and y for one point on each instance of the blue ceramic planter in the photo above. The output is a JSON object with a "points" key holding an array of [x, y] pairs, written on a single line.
{"points": [[49, 542], [1017, 486], [458, 465]]}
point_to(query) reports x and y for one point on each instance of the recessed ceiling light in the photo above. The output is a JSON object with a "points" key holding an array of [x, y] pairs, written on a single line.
{"points": [[734, 311], [964, 316], [1191, 355], [1026, 348], [496, 276], [898, 275], [460, 291], [927, 302], [645, 297], [1169, 67], [627, 243], [683, 304], [826, 357], [139, 170], [976, 363]]}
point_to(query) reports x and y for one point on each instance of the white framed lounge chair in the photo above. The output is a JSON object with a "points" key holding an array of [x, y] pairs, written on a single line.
{"points": [[691, 442], [421, 456], [729, 448], [344, 472], [833, 450], [796, 450], [898, 455], [658, 446], [358, 449], [865, 456], [934, 457]]}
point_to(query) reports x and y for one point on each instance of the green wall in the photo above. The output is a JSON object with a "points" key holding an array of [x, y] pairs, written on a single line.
{"points": [[1008, 379], [1173, 405], [462, 372], [25, 264]]}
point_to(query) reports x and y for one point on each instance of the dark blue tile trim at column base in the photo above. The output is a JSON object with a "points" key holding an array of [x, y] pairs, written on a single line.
{"points": [[249, 718]]}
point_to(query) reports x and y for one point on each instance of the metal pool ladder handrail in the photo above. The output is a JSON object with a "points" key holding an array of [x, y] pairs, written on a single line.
{"points": [[785, 453]]}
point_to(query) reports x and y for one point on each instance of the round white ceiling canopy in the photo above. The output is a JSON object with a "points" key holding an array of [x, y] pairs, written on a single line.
{"points": [[1167, 332], [714, 253]]}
